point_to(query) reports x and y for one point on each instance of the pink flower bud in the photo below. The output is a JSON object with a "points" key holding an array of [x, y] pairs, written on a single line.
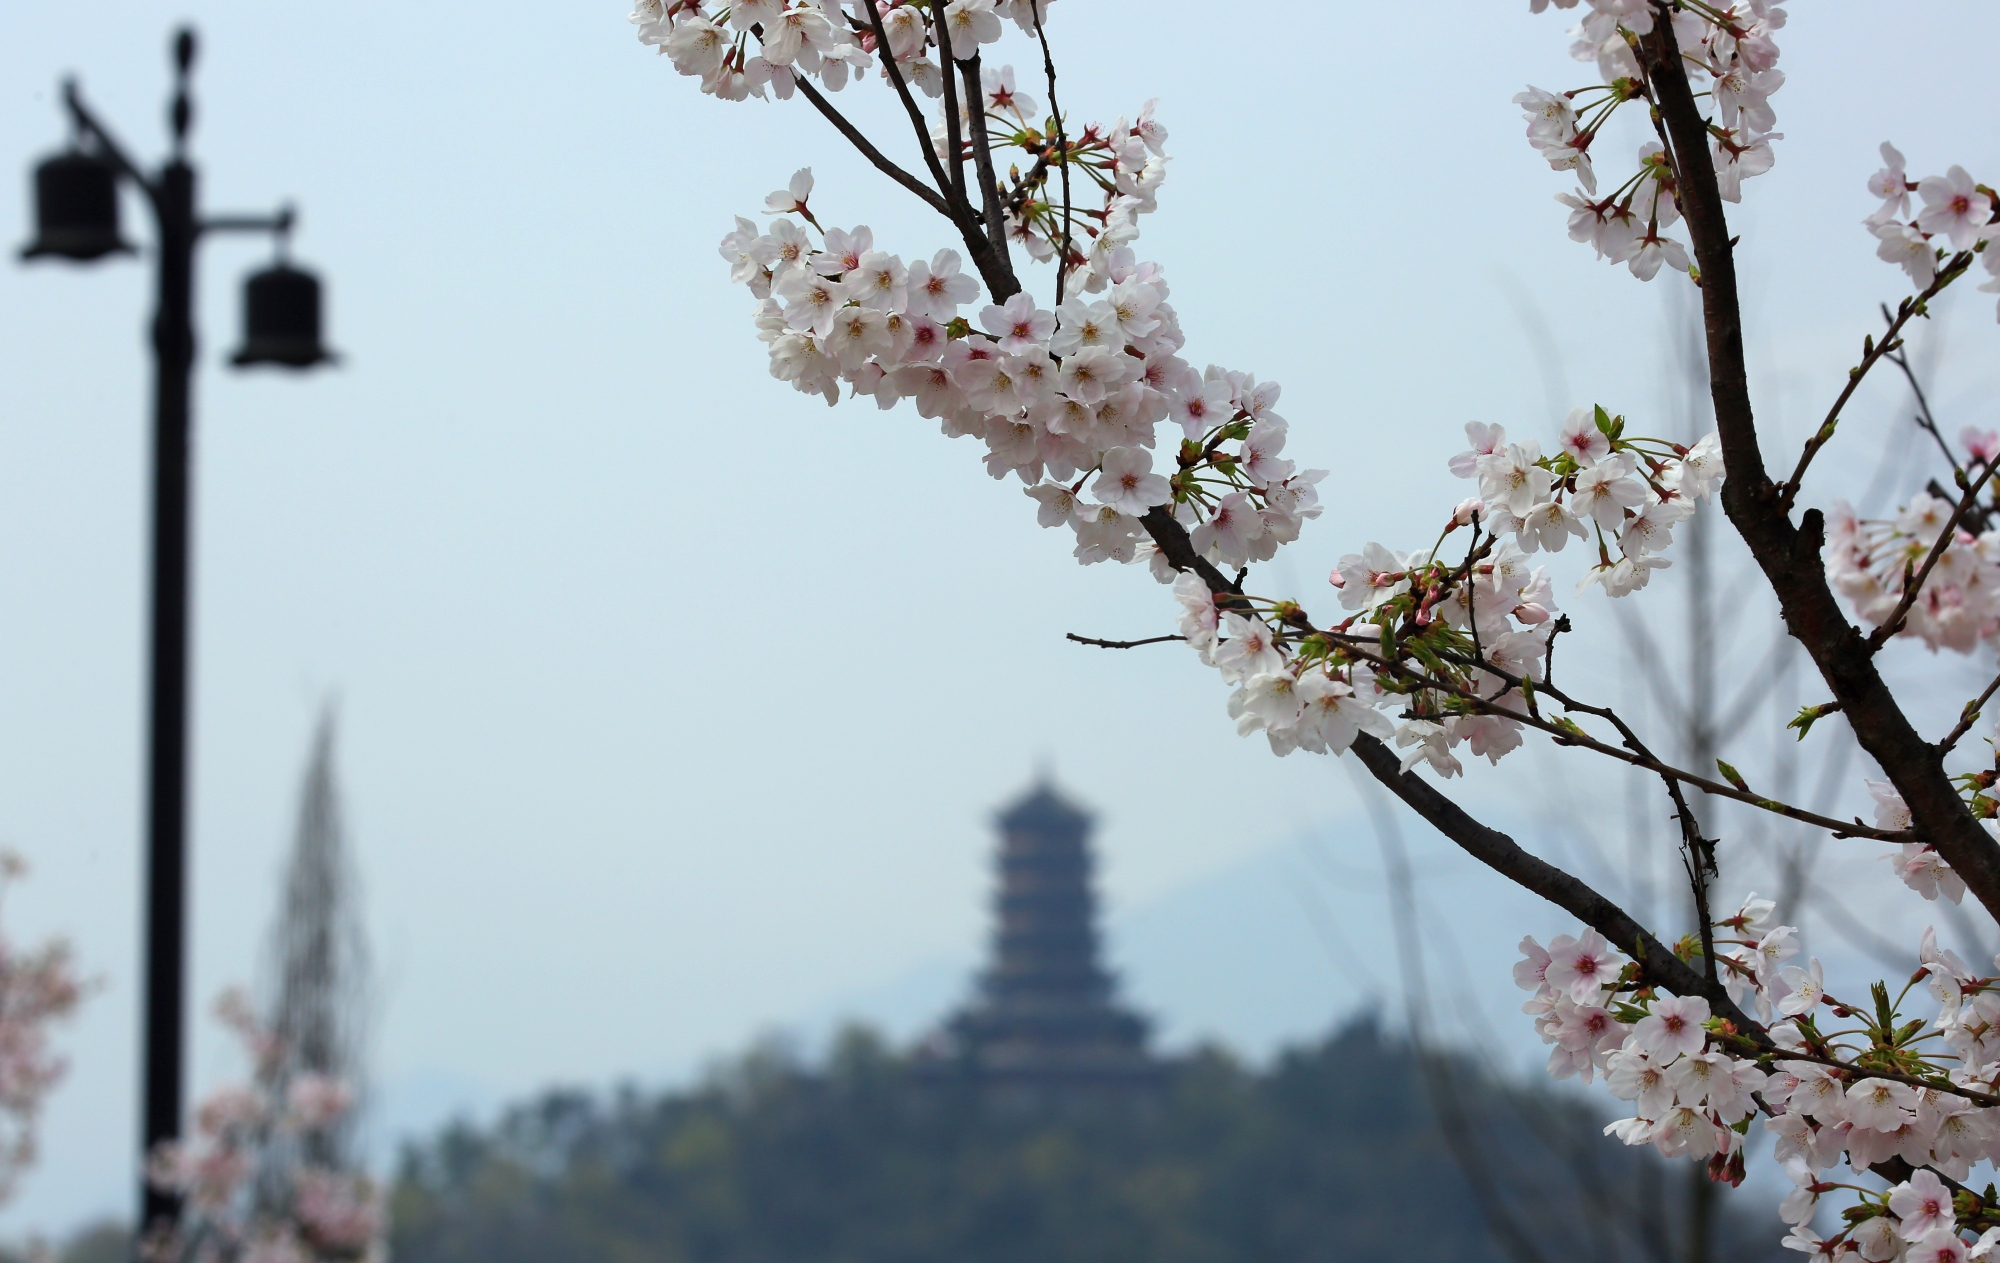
{"points": [[1466, 510], [1335, 578]]}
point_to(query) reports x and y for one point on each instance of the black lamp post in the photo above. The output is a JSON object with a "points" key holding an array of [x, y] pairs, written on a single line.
{"points": [[76, 206]]}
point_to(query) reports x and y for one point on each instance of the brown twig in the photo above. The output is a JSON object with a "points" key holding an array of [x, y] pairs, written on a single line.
{"points": [[1968, 717], [1062, 145], [1121, 644], [1900, 357], [1872, 352]]}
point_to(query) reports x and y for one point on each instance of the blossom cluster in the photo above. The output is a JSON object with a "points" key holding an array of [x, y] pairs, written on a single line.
{"points": [[1871, 562], [1068, 401], [1455, 647], [1867, 1093], [1957, 215], [38, 988], [807, 39], [1727, 48], [252, 1195]]}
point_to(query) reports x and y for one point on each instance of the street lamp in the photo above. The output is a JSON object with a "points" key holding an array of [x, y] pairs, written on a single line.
{"points": [[76, 217]]}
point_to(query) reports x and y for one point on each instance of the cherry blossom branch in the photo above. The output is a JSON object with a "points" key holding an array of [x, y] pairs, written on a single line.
{"points": [[1940, 1084], [870, 152], [1968, 717], [1122, 644], [1872, 352], [1914, 584], [1790, 556]]}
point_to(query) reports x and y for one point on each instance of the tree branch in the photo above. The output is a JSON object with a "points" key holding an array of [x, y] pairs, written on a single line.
{"points": [[1121, 644], [982, 163], [1637, 754], [1790, 555], [1968, 717], [870, 152], [1871, 353], [1504, 856], [1925, 421], [1062, 145], [954, 142]]}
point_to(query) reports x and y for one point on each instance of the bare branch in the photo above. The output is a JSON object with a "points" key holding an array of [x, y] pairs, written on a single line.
{"points": [[982, 161], [870, 152], [1968, 717], [1900, 357], [1871, 353], [1121, 644], [894, 73], [1062, 146]]}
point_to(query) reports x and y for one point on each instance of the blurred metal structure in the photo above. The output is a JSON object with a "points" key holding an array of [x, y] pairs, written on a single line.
{"points": [[76, 205], [315, 992]]}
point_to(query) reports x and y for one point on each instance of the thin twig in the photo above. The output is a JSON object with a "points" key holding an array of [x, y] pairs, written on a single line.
{"points": [[1698, 855], [1639, 757], [1872, 352], [1925, 421], [1968, 717], [1062, 145], [1120, 644]]}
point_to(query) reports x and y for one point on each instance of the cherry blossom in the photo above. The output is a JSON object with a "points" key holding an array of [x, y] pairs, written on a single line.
{"points": [[250, 1195], [1954, 208]]}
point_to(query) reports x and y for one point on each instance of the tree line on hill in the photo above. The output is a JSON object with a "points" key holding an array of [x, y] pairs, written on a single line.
{"points": [[1354, 1147]]}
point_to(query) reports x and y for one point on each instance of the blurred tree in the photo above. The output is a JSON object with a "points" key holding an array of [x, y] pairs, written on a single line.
{"points": [[1330, 1153]]}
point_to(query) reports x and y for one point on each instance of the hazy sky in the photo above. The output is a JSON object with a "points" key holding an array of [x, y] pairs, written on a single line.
{"points": [[673, 703]]}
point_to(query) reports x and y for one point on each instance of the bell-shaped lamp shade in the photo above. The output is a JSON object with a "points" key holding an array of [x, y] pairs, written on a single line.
{"points": [[281, 319], [76, 209]]}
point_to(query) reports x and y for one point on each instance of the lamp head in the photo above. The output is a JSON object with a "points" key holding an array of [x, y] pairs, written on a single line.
{"points": [[281, 319], [76, 209]]}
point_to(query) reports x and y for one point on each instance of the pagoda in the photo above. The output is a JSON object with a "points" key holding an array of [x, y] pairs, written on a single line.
{"points": [[1045, 1026]]}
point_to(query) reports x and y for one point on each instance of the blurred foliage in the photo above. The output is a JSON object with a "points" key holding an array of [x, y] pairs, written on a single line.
{"points": [[1330, 1153]]}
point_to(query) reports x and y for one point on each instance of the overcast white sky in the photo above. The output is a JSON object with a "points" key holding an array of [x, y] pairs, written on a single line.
{"points": [[673, 702]]}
